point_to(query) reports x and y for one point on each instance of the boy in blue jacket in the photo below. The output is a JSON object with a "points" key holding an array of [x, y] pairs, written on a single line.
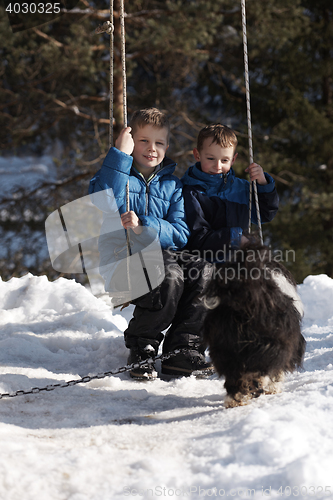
{"points": [[156, 202], [216, 201]]}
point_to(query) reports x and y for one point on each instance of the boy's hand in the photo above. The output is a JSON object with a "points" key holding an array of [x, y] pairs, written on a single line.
{"points": [[256, 174], [125, 141], [131, 220]]}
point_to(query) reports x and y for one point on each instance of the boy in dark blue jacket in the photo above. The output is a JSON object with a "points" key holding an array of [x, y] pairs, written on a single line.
{"points": [[156, 202], [216, 201]]}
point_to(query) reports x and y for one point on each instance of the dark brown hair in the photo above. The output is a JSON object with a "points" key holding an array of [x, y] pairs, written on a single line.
{"points": [[149, 116], [221, 134]]}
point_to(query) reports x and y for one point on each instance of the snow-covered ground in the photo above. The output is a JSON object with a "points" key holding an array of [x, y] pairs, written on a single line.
{"points": [[116, 438]]}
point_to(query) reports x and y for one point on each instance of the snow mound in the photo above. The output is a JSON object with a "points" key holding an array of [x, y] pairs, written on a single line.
{"points": [[118, 438], [60, 324], [316, 293]]}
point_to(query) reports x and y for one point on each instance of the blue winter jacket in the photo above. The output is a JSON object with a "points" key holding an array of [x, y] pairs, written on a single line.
{"points": [[158, 202], [217, 207]]}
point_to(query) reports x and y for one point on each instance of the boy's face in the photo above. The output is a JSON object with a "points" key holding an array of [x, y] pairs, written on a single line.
{"points": [[150, 145], [214, 158]]}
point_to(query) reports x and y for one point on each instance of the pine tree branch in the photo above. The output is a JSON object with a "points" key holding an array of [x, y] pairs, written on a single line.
{"points": [[76, 110], [47, 37], [59, 44]]}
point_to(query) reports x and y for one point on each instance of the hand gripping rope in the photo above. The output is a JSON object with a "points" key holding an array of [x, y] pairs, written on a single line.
{"points": [[249, 125]]}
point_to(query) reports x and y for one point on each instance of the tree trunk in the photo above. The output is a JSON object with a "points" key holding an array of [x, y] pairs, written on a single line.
{"points": [[118, 102]]}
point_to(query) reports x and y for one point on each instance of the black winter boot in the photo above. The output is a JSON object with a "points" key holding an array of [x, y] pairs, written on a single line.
{"points": [[147, 370], [192, 362]]}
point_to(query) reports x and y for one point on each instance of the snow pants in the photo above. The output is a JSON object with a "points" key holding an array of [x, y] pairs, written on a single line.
{"points": [[176, 303]]}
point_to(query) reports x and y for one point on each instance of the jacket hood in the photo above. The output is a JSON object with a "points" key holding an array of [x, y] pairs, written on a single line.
{"points": [[194, 176], [168, 165]]}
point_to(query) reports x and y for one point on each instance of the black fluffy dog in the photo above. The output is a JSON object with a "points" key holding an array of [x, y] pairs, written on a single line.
{"points": [[252, 327]]}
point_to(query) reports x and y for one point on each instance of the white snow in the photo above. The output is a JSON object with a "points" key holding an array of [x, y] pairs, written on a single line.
{"points": [[28, 171], [115, 438]]}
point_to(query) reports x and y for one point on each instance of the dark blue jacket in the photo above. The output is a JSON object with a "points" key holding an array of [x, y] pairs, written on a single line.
{"points": [[217, 208], [158, 202]]}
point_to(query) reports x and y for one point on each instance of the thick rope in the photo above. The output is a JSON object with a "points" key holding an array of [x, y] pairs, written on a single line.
{"points": [[109, 28], [249, 126], [111, 77], [128, 240], [123, 65]]}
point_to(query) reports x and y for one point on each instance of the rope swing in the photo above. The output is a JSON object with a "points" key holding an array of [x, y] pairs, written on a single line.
{"points": [[108, 27], [111, 76], [249, 126]]}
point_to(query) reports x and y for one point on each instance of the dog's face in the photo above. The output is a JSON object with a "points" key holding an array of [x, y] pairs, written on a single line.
{"points": [[250, 279], [239, 284]]}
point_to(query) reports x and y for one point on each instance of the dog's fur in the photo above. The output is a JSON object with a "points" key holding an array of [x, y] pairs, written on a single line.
{"points": [[252, 327]]}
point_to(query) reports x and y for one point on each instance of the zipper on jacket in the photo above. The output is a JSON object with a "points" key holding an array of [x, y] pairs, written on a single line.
{"points": [[147, 197], [147, 185]]}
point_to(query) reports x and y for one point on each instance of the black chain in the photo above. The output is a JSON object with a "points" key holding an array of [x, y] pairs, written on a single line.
{"points": [[89, 378]]}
